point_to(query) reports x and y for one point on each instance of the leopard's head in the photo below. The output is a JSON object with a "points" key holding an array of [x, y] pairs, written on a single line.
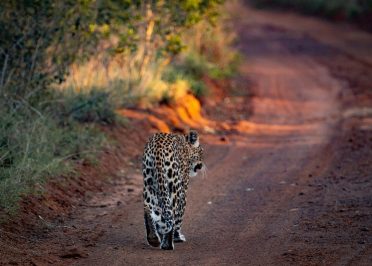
{"points": [[196, 153]]}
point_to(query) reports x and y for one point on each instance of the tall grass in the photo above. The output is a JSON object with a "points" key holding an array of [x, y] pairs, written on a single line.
{"points": [[95, 106], [34, 147], [121, 75], [207, 50]]}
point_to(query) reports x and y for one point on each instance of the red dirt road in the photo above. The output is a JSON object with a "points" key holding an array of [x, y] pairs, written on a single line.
{"points": [[290, 186], [258, 204]]}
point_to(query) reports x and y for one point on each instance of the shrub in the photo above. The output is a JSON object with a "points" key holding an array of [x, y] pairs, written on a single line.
{"points": [[211, 45], [208, 52], [34, 147], [91, 106], [198, 88], [189, 72], [194, 65]]}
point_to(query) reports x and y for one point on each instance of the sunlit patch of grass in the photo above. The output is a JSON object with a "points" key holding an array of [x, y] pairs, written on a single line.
{"points": [[122, 76], [208, 52], [124, 90], [187, 78], [173, 91]]}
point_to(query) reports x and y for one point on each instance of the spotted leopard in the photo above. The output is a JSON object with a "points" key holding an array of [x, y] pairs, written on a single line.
{"points": [[169, 160]]}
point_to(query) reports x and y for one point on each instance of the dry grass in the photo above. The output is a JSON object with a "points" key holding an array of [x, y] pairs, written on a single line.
{"points": [[131, 82]]}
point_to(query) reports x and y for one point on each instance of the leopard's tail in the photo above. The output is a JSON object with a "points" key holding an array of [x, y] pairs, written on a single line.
{"points": [[204, 170], [164, 215]]}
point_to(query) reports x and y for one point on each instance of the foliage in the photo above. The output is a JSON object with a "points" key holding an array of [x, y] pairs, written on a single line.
{"points": [[42, 38], [67, 65], [212, 46], [90, 106], [34, 147], [191, 70], [208, 52], [39, 40], [198, 88], [129, 64]]}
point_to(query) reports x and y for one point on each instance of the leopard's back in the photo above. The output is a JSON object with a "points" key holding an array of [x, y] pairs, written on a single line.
{"points": [[168, 162]]}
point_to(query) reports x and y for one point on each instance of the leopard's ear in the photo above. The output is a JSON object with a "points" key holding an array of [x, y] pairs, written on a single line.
{"points": [[193, 138]]}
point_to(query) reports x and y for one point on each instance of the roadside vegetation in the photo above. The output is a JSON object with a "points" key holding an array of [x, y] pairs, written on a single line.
{"points": [[67, 66], [359, 11]]}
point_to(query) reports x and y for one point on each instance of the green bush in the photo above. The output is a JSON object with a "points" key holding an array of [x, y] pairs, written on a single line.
{"points": [[192, 69], [194, 65], [34, 147], [198, 88], [92, 106]]}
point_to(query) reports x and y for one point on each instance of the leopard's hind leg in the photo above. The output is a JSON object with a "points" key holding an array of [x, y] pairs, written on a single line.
{"points": [[181, 204], [178, 236], [167, 241], [151, 233]]}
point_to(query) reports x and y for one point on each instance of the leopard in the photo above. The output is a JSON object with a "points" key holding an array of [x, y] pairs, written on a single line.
{"points": [[169, 161]]}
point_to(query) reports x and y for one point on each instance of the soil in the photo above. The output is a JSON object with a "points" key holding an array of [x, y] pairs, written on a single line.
{"points": [[289, 164]]}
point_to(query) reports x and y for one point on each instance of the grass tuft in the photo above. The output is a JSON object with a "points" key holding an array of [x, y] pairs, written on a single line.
{"points": [[89, 106], [34, 147]]}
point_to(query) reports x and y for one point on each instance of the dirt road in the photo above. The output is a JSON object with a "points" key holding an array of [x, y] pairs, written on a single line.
{"points": [[291, 186], [256, 206]]}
